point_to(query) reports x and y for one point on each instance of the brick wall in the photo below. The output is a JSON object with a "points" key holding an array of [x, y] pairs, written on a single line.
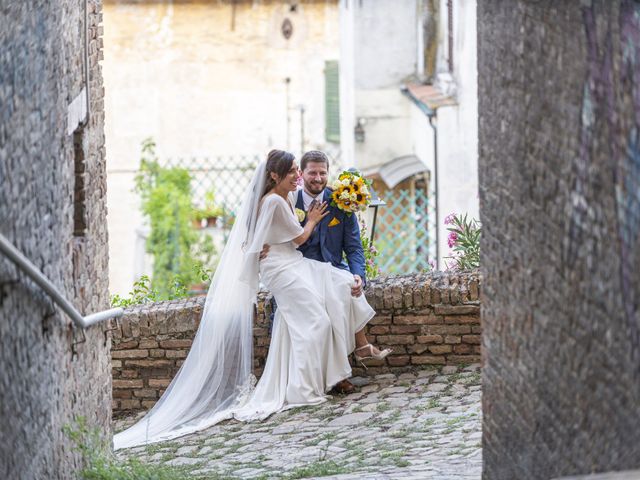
{"points": [[427, 319], [559, 90], [48, 372]]}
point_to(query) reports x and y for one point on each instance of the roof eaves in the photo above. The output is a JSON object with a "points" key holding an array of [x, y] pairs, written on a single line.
{"points": [[427, 97]]}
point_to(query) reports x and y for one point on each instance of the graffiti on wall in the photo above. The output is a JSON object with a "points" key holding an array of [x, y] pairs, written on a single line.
{"points": [[603, 97], [628, 165]]}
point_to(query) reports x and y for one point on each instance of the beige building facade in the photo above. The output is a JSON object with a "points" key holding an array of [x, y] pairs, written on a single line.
{"points": [[208, 79]]}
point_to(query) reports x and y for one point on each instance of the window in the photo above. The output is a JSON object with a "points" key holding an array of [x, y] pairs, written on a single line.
{"points": [[332, 101], [79, 192]]}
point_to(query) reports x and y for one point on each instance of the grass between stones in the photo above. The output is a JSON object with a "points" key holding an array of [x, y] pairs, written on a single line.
{"points": [[434, 402], [402, 433], [429, 422], [327, 436], [454, 377], [474, 379], [296, 410], [395, 457], [320, 468]]}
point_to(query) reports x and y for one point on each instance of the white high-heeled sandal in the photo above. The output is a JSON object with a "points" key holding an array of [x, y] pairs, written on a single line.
{"points": [[377, 356]]}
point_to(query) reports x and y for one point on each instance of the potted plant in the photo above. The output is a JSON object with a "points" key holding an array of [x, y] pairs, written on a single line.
{"points": [[196, 220], [210, 212]]}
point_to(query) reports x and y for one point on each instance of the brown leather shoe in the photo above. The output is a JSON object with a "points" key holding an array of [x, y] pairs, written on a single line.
{"points": [[344, 387]]}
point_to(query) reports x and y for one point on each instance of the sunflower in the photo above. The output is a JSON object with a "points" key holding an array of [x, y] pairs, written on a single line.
{"points": [[351, 192]]}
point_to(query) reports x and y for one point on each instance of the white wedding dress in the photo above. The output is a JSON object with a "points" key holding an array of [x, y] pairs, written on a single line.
{"points": [[312, 335], [315, 323]]}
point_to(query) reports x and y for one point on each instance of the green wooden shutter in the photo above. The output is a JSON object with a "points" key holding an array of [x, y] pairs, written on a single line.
{"points": [[331, 101]]}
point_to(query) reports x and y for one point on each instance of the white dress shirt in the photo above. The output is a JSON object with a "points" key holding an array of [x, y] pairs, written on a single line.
{"points": [[307, 199]]}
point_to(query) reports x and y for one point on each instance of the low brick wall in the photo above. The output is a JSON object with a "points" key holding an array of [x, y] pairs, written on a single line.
{"points": [[428, 319]]}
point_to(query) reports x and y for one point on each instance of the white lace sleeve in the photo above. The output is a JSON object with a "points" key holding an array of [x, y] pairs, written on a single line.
{"points": [[282, 226], [275, 224]]}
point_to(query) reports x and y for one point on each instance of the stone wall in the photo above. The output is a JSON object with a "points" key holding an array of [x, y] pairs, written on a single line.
{"points": [[53, 209], [427, 320], [559, 89]]}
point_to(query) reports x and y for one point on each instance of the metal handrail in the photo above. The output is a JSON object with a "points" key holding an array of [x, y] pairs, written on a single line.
{"points": [[22, 262]]}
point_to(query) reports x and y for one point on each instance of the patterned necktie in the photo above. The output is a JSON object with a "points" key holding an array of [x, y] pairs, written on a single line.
{"points": [[315, 230]]}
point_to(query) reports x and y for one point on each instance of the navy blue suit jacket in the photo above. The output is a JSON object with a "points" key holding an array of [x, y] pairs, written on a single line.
{"points": [[343, 236]]}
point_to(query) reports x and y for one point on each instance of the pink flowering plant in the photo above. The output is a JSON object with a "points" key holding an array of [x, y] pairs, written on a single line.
{"points": [[464, 241], [370, 253]]}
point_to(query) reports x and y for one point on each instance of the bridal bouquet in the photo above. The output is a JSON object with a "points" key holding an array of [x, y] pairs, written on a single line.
{"points": [[351, 192]]}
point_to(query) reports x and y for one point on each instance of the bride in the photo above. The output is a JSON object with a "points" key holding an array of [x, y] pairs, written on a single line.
{"points": [[314, 327]]}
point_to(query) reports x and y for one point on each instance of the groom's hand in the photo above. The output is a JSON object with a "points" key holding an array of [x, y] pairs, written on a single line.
{"points": [[356, 290], [265, 251]]}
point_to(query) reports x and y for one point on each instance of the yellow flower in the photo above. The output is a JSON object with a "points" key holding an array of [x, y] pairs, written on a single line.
{"points": [[301, 215], [351, 192]]}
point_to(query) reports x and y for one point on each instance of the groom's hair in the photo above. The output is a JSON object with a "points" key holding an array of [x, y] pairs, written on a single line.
{"points": [[313, 156]]}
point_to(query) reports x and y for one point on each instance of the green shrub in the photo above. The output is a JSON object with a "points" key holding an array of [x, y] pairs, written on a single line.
{"points": [[166, 202]]}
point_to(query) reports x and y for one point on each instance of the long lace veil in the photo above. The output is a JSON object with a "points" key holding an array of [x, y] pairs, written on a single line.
{"points": [[216, 376]]}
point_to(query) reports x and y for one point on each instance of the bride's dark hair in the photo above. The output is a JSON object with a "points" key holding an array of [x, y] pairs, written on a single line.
{"points": [[278, 162]]}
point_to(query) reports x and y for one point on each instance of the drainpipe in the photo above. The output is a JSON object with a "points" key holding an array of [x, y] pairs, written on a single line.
{"points": [[433, 121], [432, 115]]}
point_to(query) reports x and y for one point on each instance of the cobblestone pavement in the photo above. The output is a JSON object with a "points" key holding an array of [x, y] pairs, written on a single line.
{"points": [[425, 425]]}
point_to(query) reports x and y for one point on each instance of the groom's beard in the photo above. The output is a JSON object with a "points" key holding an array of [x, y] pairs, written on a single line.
{"points": [[315, 188]]}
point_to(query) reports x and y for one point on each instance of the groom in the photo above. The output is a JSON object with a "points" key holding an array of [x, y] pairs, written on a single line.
{"points": [[337, 234]]}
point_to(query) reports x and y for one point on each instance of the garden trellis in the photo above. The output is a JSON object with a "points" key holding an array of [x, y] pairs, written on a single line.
{"points": [[405, 232]]}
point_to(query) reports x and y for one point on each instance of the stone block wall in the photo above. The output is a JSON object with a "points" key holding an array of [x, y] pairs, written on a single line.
{"points": [[559, 136], [429, 319], [53, 209]]}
